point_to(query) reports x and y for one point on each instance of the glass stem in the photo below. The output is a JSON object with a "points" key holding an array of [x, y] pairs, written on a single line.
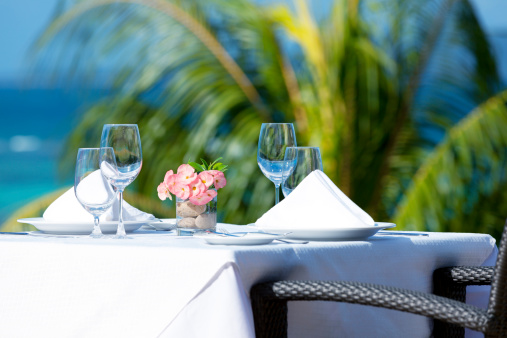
{"points": [[96, 228], [120, 233], [277, 193]]}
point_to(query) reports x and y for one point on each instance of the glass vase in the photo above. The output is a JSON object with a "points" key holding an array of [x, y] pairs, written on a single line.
{"points": [[200, 217]]}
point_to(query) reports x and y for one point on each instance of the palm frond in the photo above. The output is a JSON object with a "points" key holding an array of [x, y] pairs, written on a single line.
{"points": [[148, 74], [470, 162], [438, 90]]}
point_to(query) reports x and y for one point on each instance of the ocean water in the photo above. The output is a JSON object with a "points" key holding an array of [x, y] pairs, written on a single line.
{"points": [[33, 126], [25, 177]]}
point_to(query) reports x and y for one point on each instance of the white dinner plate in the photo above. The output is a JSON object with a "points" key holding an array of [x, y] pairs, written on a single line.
{"points": [[78, 228], [337, 234], [248, 239], [165, 224], [45, 234]]}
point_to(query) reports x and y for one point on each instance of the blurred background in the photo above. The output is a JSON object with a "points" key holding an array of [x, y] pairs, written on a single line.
{"points": [[406, 99]]}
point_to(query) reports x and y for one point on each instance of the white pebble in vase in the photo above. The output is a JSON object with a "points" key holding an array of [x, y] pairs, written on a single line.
{"points": [[188, 209], [206, 221], [187, 222]]}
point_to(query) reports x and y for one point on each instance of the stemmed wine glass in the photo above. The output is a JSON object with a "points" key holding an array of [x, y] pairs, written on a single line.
{"points": [[274, 138], [92, 190], [306, 159], [126, 144]]}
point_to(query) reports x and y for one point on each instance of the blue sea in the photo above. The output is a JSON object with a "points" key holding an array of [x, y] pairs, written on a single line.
{"points": [[34, 124]]}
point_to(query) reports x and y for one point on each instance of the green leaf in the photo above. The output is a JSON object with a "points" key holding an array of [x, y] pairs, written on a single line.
{"points": [[212, 164], [216, 166], [196, 166], [220, 166], [204, 163]]}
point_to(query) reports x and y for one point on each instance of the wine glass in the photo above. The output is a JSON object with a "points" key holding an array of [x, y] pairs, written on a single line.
{"points": [[92, 190], [126, 144], [306, 159], [274, 138]]}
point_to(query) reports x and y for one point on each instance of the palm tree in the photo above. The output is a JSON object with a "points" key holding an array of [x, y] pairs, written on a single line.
{"points": [[386, 88]]}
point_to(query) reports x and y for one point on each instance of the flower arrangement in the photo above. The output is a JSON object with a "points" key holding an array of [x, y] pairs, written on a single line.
{"points": [[198, 187]]}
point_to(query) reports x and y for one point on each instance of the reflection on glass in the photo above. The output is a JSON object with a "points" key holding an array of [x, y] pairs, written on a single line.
{"points": [[125, 141], [274, 138], [92, 190], [306, 160]]}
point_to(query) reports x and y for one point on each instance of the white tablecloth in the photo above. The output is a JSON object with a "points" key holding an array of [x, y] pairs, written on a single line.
{"points": [[160, 285]]}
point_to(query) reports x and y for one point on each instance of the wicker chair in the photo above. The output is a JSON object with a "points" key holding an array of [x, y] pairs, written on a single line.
{"points": [[269, 300]]}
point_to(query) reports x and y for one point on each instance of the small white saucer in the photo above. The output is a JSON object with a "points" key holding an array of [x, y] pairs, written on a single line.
{"points": [[165, 224], [248, 239]]}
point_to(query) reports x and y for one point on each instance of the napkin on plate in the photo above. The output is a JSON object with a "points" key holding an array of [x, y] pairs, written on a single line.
{"points": [[67, 207], [315, 203]]}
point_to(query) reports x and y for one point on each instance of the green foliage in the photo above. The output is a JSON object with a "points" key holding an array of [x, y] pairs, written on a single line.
{"points": [[212, 166], [384, 87], [460, 174]]}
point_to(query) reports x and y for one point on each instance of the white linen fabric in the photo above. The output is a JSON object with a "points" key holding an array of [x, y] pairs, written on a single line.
{"points": [[157, 284], [67, 208], [315, 203], [227, 311]]}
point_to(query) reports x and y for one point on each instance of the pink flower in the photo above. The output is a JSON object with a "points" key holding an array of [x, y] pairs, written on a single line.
{"points": [[163, 192], [215, 172], [167, 175], [186, 169], [206, 178], [182, 191], [171, 181], [197, 187], [199, 199], [186, 179], [203, 198], [186, 174], [219, 180]]}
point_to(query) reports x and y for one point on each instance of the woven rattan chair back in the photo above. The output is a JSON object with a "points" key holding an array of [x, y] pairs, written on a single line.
{"points": [[497, 308]]}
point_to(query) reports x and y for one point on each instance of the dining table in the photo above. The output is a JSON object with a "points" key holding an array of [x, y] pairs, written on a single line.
{"points": [[164, 284]]}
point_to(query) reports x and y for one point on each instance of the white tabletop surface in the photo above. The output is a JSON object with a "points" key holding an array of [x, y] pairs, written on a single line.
{"points": [[156, 284]]}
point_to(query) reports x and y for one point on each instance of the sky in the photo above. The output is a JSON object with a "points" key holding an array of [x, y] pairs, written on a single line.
{"points": [[492, 14], [21, 21]]}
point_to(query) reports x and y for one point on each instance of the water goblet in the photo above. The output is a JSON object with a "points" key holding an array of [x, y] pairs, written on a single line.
{"points": [[126, 144], [307, 159], [92, 190], [274, 138]]}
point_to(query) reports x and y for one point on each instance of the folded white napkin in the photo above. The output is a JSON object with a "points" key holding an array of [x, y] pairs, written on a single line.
{"points": [[67, 207], [315, 203]]}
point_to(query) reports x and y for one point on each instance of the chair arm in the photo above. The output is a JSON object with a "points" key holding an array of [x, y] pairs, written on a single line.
{"points": [[469, 275], [451, 282], [429, 305]]}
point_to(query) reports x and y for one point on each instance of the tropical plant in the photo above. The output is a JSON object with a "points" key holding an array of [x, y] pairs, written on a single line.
{"points": [[386, 88]]}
